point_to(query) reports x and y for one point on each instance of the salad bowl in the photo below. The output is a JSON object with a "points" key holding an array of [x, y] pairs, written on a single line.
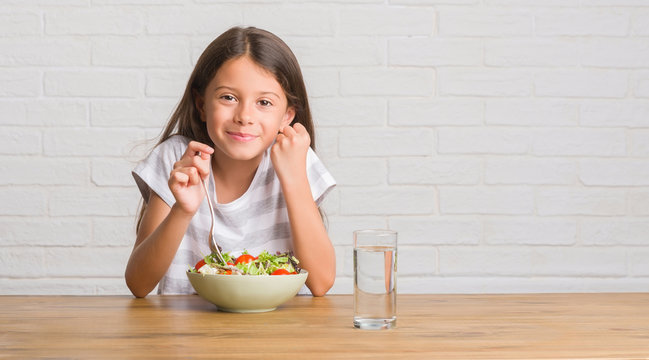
{"points": [[247, 293]]}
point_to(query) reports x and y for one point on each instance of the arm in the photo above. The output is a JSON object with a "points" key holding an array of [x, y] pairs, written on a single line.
{"points": [[310, 240], [162, 228]]}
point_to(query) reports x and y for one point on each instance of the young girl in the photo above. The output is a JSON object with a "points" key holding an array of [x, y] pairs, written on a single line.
{"points": [[243, 126]]}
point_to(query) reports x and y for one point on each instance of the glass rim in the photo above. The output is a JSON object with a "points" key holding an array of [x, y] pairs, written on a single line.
{"points": [[376, 232]]}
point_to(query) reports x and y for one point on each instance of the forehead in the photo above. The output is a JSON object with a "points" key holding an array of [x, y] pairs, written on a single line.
{"points": [[244, 74]]}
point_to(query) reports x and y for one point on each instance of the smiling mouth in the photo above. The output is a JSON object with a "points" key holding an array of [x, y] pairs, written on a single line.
{"points": [[238, 136]]}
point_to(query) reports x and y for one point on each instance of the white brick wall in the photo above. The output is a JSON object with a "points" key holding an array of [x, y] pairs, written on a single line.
{"points": [[506, 140]]}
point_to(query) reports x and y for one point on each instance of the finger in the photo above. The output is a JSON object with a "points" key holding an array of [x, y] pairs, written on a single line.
{"points": [[299, 128], [197, 148], [178, 177], [288, 131]]}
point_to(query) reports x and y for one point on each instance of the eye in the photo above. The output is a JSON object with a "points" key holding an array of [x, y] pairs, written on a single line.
{"points": [[265, 103], [228, 97]]}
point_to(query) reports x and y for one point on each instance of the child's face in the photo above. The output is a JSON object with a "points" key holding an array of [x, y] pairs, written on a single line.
{"points": [[244, 108]]}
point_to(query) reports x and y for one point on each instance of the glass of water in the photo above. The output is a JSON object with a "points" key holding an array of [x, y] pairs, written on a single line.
{"points": [[375, 275]]}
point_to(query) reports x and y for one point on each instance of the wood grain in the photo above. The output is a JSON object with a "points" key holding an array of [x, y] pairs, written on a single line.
{"points": [[535, 326]]}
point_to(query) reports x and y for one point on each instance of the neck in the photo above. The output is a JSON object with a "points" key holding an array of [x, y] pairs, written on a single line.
{"points": [[233, 177]]}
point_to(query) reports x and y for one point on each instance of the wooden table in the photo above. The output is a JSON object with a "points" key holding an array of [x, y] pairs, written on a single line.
{"points": [[428, 326]]}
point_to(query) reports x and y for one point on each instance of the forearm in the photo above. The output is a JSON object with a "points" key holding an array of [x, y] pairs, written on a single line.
{"points": [[310, 240], [152, 256]]}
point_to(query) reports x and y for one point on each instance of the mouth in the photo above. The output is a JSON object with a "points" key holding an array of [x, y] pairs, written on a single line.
{"points": [[239, 136]]}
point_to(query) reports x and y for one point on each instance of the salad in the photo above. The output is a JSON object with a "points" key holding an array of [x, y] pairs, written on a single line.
{"points": [[246, 264]]}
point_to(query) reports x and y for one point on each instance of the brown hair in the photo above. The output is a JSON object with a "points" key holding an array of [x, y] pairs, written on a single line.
{"points": [[266, 50]]}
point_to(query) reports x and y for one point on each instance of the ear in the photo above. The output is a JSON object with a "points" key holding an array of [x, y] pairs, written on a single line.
{"points": [[199, 102], [288, 117]]}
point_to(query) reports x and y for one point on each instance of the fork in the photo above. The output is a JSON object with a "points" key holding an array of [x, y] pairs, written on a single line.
{"points": [[213, 245]]}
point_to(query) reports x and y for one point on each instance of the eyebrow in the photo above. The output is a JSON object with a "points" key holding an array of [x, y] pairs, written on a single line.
{"points": [[260, 93]]}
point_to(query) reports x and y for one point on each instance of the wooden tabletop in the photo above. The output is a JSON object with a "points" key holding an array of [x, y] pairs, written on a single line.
{"points": [[539, 326]]}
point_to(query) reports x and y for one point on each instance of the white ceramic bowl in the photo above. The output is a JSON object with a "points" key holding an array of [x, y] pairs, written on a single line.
{"points": [[247, 293]]}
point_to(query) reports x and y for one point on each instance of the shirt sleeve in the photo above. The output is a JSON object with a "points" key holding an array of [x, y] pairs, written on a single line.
{"points": [[320, 180], [152, 173]]}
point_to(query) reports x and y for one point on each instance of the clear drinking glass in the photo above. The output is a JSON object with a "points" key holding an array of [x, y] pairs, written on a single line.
{"points": [[375, 275]]}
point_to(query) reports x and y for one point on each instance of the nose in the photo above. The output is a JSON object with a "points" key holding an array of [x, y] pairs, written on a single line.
{"points": [[244, 114]]}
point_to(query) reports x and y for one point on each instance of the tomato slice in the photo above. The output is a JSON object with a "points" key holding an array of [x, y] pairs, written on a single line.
{"points": [[280, 272], [199, 264], [244, 259], [228, 272]]}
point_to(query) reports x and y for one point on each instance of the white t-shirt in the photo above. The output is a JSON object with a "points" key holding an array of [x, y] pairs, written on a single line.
{"points": [[256, 221]]}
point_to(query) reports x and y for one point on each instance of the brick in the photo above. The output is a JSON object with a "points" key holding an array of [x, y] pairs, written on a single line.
{"points": [[386, 20], [547, 3], [434, 2], [357, 111], [95, 83], [44, 51], [482, 140], [640, 142], [511, 200], [112, 172], [23, 262], [59, 113], [385, 142], [77, 201], [304, 20], [43, 171], [355, 51], [484, 82], [90, 142], [387, 200], [580, 201], [13, 112], [536, 112], [399, 82], [20, 141], [130, 113], [167, 83], [435, 111], [627, 53], [421, 261], [530, 231], [638, 201], [137, 2], [344, 261], [23, 200], [321, 82], [530, 171], [628, 113], [113, 231], [435, 52], [581, 22], [429, 230], [481, 22], [95, 21], [532, 52], [638, 264], [326, 143], [331, 204], [193, 20], [19, 82], [167, 52], [361, 172], [609, 172], [641, 85], [537, 261], [433, 171], [579, 142], [640, 23], [613, 231], [95, 261], [615, 3], [20, 23], [341, 228], [581, 83], [44, 231]]}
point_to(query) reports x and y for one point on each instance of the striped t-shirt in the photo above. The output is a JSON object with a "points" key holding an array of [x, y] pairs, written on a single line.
{"points": [[256, 221]]}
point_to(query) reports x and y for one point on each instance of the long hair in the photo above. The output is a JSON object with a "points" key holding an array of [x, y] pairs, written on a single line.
{"points": [[266, 50]]}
